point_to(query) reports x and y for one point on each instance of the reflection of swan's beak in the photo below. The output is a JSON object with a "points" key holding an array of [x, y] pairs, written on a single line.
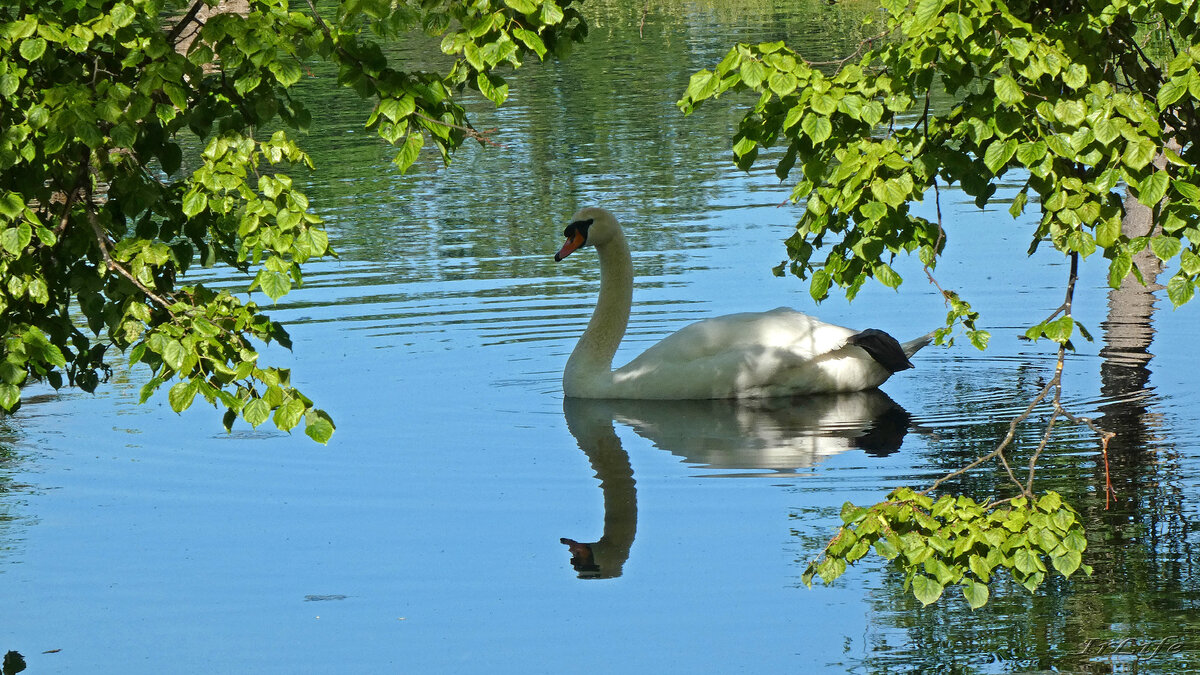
{"points": [[576, 240], [582, 558]]}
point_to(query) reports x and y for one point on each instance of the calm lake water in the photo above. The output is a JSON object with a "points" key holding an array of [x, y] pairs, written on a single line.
{"points": [[426, 536]]}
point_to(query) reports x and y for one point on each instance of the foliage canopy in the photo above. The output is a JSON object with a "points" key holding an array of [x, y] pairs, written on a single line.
{"points": [[1066, 98], [1076, 101], [141, 138]]}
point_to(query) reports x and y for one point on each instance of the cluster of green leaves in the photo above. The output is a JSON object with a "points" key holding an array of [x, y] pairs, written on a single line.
{"points": [[1060, 94], [955, 541], [482, 35], [132, 147]]}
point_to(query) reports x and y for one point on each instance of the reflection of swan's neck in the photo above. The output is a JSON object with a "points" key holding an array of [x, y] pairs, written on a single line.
{"points": [[590, 422], [590, 364]]}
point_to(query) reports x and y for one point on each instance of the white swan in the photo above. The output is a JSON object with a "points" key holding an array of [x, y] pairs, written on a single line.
{"points": [[756, 354]]}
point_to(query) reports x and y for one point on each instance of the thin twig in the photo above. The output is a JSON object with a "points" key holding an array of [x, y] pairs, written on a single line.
{"points": [[102, 242], [1057, 410], [471, 132], [843, 61]]}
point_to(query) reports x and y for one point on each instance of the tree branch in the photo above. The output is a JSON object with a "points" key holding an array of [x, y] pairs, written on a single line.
{"points": [[110, 262], [188, 19], [1057, 410]]}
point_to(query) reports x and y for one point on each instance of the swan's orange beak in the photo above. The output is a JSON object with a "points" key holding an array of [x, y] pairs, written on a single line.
{"points": [[568, 248]]}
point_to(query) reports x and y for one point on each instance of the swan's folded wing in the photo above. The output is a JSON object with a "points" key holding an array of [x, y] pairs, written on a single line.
{"points": [[783, 329], [733, 355]]}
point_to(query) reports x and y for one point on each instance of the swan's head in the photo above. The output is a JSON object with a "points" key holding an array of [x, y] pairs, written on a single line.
{"points": [[593, 226]]}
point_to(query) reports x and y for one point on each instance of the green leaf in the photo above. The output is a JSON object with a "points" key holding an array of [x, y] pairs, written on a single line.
{"points": [[1153, 188], [1189, 262], [1138, 153], [409, 151], [825, 104], [753, 73], [1076, 76], [976, 593], [1025, 560], [194, 202], [1029, 154], [274, 284], [872, 112], [851, 513], [1075, 541], [1180, 290], [817, 127], [1171, 91], [181, 395], [10, 396], [926, 589], [891, 192], [522, 6], [318, 426], [1106, 130], [32, 48], [174, 354], [123, 15], [1059, 330], [998, 153], [551, 13], [493, 87], [10, 240], [782, 83], [531, 40], [979, 567], [831, 568], [1107, 233], [819, 286], [923, 16], [288, 415], [1050, 502], [1008, 91], [886, 548], [1070, 112], [1119, 268], [1067, 563], [886, 275], [256, 411], [1165, 247]]}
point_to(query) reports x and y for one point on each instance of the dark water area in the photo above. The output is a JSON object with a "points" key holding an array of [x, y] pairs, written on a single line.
{"points": [[428, 536]]}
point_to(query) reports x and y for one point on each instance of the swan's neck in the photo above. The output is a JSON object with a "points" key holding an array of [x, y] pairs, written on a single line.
{"points": [[590, 364]]}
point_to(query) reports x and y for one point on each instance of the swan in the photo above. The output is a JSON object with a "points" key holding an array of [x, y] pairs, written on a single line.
{"points": [[781, 352]]}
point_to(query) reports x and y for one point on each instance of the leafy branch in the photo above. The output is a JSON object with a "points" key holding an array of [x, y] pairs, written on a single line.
{"points": [[1080, 121], [102, 216], [956, 541]]}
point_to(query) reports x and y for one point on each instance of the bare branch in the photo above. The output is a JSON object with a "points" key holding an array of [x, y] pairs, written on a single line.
{"points": [[188, 19], [1054, 386]]}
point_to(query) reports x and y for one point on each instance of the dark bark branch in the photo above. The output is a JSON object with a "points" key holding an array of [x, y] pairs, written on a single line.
{"points": [[189, 18]]}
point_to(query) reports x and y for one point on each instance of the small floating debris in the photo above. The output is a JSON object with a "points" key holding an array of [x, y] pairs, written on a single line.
{"points": [[323, 598]]}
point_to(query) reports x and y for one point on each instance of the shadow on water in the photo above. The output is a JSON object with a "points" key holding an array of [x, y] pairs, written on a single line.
{"points": [[767, 437]]}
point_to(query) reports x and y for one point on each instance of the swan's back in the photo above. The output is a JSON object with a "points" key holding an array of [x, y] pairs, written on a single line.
{"points": [[752, 354]]}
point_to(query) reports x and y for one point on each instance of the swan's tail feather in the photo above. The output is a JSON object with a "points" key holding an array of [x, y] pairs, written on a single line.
{"points": [[913, 346], [882, 347]]}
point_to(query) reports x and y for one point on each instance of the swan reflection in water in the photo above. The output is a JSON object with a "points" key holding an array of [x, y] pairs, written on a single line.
{"points": [[765, 437]]}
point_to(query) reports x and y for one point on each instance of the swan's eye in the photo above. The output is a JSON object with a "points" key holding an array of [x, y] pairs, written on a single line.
{"points": [[580, 226]]}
